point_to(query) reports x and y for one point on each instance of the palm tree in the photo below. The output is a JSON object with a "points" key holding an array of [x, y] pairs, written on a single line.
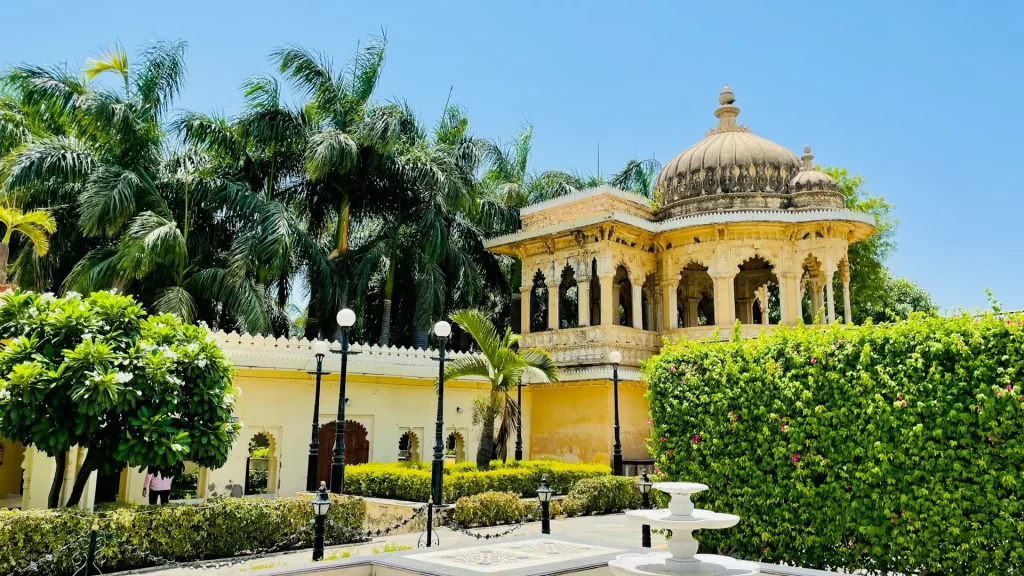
{"points": [[35, 225], [503, 366], [637, 176]]}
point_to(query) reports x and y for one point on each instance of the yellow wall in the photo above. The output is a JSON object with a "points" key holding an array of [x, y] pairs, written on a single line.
{"points": [[280, 403], [10, 470], [574, 421]]}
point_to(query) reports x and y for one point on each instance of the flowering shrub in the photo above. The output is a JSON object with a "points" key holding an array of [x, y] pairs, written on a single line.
{"points": [[98, 372], [892, 448]]}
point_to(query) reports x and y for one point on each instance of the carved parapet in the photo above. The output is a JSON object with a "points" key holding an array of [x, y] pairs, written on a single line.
{"points": [[591, 345], [724, 332]]}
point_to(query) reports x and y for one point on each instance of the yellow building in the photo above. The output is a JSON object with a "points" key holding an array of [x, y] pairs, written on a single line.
{"points": [[740, 226], [742, 229]]}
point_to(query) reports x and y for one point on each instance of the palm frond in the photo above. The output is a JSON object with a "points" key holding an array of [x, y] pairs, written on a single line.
{"points": [[54, 160], [109, 200], [330, 152], [175, 300], [162, 74], [114, 59]]}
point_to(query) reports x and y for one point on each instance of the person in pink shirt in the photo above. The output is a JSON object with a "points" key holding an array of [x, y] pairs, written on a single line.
{"points": [[157, 486]]}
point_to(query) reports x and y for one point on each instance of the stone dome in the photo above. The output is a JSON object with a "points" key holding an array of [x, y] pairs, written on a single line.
{"points": [[732, 169], [810, 180]]}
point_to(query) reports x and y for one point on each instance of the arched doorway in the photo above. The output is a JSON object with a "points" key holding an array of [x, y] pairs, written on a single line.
{"points": [[357, 448], [455, 446], [695, 297], [622, 296], [409, 447], [261, 465]]}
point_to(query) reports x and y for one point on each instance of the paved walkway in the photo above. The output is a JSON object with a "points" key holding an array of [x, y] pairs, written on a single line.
{"points": [[612, 530]]}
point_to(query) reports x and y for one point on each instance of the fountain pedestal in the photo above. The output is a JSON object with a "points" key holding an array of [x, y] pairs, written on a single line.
{"points": [[682, 558]]}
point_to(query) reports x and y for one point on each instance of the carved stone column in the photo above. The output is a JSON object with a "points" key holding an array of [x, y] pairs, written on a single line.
{"points": [[690, 309], [615, 300], [830, 312], [762, 298], [847, 309], [790, 298], [817, 299], [638, 306], [553, 301], [583, 301], [606, 300], [669, 289], [725, 299], [524, 310]]}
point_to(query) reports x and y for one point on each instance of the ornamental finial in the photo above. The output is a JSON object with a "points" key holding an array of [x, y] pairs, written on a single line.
{"points": [[726, 112], [807, 158]]}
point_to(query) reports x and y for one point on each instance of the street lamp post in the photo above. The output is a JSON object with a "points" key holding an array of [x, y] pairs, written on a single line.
{"points": [[544, 495], [346, 319], [645, 492], [442, 330], [519, 420], [321, 504], [616, 357], [320, 349]]}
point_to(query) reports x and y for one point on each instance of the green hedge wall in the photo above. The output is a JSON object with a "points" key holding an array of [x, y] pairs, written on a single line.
{"points": [[896, 447], [403, 481], [219, 528]]}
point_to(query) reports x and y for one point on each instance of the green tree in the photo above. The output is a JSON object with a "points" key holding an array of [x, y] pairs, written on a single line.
{"points": [[35, 225], [503, 366], [98, 372], [637, 176], [900, 298]]}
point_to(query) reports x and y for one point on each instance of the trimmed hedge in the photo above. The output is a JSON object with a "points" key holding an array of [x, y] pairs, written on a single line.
{"points": [[411, 482], [896, 447], [219, 528], [605, 495]]}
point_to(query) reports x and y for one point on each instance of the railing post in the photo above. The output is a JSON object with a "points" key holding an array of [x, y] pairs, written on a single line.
{"points": [[90, 561]]}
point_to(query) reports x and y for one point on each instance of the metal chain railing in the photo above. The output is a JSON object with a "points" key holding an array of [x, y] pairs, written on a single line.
{"points": [[450, 523]]}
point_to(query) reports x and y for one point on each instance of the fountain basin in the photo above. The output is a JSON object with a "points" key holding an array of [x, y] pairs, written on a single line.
{"points": [[662, 564], [697, 520]]}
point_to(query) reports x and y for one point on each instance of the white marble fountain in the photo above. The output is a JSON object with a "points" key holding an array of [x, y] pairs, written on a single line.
{"points": [[682, 558]]}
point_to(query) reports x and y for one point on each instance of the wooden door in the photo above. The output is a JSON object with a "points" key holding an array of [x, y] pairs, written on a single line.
{"points": [[357, 448]]}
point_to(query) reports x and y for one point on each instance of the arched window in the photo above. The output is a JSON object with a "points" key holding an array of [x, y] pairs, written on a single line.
{"points": [[622, 292], [568, 299], [695, 297], [539, 303], [751, 289]]}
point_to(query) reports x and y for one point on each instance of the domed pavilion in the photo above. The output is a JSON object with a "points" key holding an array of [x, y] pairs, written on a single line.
{"points": [[741, 226]]}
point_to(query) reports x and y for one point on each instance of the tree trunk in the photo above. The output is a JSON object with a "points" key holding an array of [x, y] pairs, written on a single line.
{"points": [[313, 307], [385, 325], [5, 252], [88, 467], [53, 499], [485, 450]]}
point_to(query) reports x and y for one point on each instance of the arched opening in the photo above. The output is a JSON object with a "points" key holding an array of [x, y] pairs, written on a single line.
{"points": [[568, 299], [622, 295], [261, 465], [695, 297], [357, 447], [812, 291], [751, 289], [595, 295], [455, 447], [409, 447], [12, 455], [539, 303]]}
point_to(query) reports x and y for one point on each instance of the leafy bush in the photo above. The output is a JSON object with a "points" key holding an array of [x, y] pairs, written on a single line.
{"points": [[893, 448], [258, 481], [602, 496], [491, 508], [219, 528], [411, 481]]}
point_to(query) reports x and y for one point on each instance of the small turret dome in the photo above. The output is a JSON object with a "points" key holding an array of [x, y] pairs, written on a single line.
{"points": [[810, 180]]}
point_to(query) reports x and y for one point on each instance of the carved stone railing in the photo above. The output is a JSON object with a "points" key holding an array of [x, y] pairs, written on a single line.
{"points": [[724, 332], [591, 345]]}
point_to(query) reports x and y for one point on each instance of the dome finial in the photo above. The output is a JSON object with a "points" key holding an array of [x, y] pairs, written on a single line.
{"points": [[726, 97], [807, 158], [726, 111]]}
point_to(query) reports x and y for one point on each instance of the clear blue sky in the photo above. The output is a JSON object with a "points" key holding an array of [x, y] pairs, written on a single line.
{"points": [[921, 98]]}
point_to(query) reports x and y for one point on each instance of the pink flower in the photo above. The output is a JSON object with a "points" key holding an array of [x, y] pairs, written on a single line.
{"points": [[783, 428], [814, 361], [669, 452], [1009, 388], [695, 439], [795, 458], [733, 417], [990, 438], [848, 487], [662, 439], [672, 368], [649, 421], [657, 470], [836, 345], [899, 396]]}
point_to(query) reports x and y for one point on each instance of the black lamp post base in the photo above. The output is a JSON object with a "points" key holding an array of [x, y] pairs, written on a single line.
{"points": [[311, 467], [337, 478]]}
